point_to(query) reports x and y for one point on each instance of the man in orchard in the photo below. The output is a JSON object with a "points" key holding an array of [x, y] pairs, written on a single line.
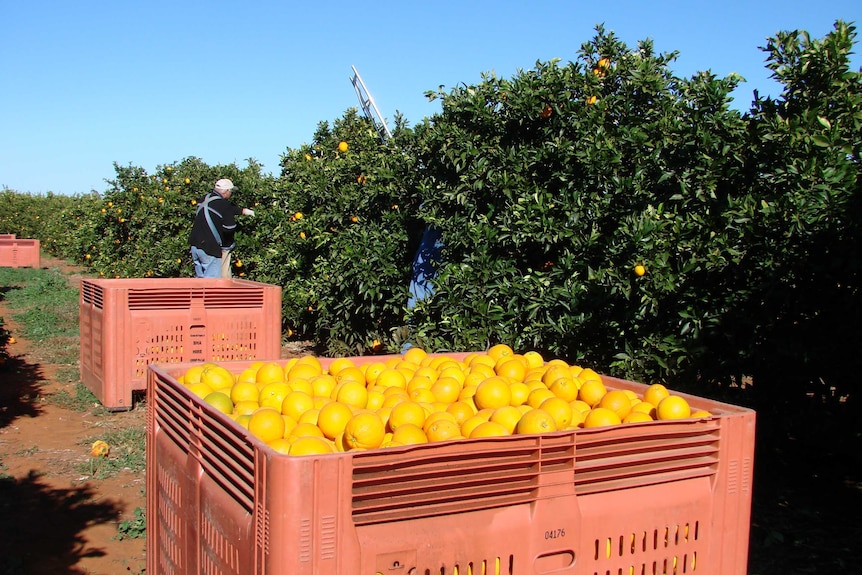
{"points": [[212, 236]]}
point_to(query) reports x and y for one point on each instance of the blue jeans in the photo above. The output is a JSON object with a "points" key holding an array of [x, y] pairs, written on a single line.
{"points": [[206, 266]]}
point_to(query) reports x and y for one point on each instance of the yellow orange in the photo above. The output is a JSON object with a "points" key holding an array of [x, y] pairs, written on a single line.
{"points": [[442, 430], [489, 429], [269, 372], [592, 391], [507, 416], [565, 388], [673, 407], [310, 445], [492, 393], [353, 393], [296, 403], [536, 421], [414, 355], [406, 412], [339, 363], [499, 350], [559, 409], [655, 393], [364, 430], [601, 417], [266, 424], [333, 418], [409, 434], [617, 401], [512, 368], [244, 391], [534, 358]]}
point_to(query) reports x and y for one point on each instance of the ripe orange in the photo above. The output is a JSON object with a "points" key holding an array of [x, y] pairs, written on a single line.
{"points": [[554, 372], [244, 392], [269, 372], [655, 393], [673, 407], [489, 429], [280, 445], [446, 389], [565, 387], [499, 350], [310, 445], [520, 392], [414, 355], [636, 417], [193, 374], [245, 407], [342, 146], [296, 403], [333, 418], [534, 359], [617, 401], [511, 368], [322, 385], [409, 434], [302, 371], [365, 430], [340, 363], [352, 393], [267, 424], [406, 412], [217, 377], [272, 394], [443, 430], [537, 396], [559, 409], [350, 374], [588, 374], [492, 393], [592, 392], [462, 410], [536, 421], [644, 407], [601, 417], [701, 413], [305, 429], [507, 416], [391, 377], [373, 370]]}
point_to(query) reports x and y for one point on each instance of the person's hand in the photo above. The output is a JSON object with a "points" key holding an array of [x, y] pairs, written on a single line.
{"points": [[247, 212]]}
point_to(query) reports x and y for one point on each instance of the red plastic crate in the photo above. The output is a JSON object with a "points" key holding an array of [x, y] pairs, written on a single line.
{"points": [[126, 324], [646, 498], [19, 253]]}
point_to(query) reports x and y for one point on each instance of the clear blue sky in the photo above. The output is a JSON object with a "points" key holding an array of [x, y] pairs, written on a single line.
{"points": [[89, 83]]}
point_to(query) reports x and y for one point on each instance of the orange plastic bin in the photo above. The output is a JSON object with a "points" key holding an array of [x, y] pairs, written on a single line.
{"points": [[643, 498], [126, 324], [19, 253]]}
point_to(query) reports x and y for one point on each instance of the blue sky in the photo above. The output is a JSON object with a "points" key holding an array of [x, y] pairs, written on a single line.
{"points": [[89, 83]]}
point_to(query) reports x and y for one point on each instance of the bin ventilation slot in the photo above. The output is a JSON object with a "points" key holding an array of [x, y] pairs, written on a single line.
{"points": [[425, 482], [93, 295], [671, 451], [212, 298]]}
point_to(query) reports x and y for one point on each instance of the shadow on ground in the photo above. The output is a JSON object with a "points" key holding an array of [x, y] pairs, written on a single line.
{"points": [[41, 525], [20, 390]]}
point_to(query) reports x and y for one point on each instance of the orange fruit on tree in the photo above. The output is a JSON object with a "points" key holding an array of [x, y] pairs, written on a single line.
{"points": [[489, 429], [559, 409], [591, 392], [601, 417], [266, 424], [342, 146], [536, 421], [617, 401], [269, 372], [333, 418], [409, 434], [673, 407], [655, 393], [296, 403], [507, 416], [492, 393], [365, 430], [310, 445]]}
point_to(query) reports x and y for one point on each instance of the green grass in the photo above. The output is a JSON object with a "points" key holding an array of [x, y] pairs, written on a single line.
{"points": [[128, 451], [81, 400], [46, 309], [135, 528]]}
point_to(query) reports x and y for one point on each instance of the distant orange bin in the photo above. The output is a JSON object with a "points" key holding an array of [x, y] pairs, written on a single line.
{"points": [[7, 236], [645, 498], [126, 324], [19, 253]]}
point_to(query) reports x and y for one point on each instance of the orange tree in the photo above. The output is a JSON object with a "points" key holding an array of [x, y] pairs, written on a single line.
{"points": [[338, 235], [583, 210]]}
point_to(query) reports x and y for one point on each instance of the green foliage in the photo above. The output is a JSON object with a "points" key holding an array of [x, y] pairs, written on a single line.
{"points": [[549, 188], [135, 528]]}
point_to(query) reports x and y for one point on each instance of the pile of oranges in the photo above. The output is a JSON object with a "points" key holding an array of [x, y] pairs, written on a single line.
{"points": [[302, 408]]}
